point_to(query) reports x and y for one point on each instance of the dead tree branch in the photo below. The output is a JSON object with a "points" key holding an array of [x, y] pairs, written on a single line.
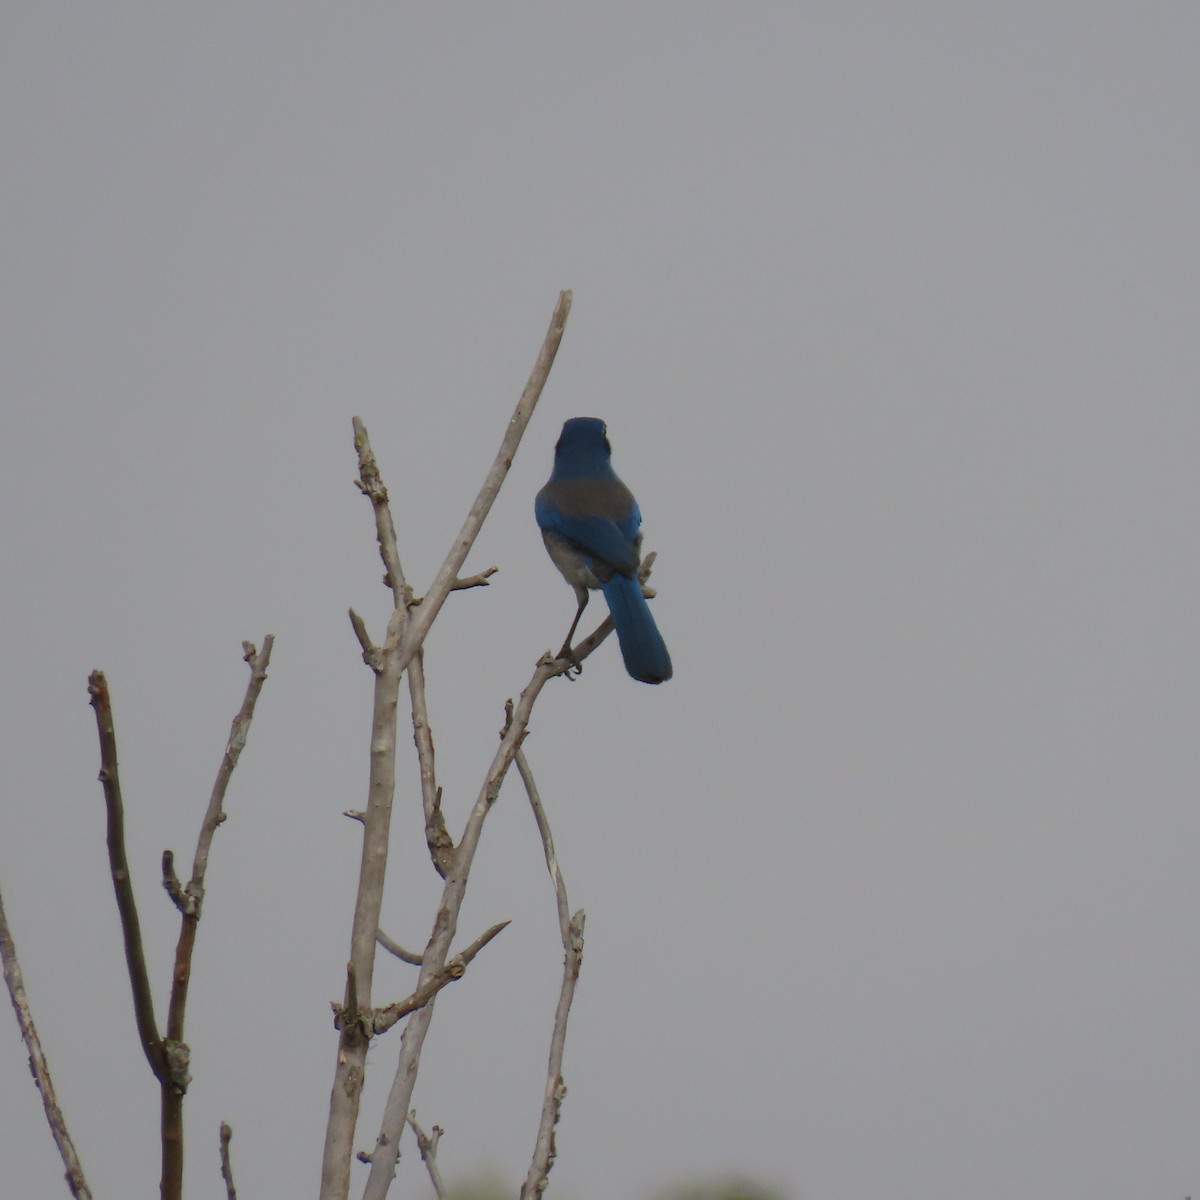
{"points": [[406, 633], [168, 1056], [39, 1068]]}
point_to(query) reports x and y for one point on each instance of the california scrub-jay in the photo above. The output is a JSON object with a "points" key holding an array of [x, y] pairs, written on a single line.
{"points": [[591, 526]]}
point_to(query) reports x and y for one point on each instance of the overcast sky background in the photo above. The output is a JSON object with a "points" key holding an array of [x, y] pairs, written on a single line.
{"points": [[893, 312]]}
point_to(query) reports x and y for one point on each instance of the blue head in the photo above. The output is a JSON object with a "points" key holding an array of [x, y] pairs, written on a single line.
{"points": [[583, 451]]}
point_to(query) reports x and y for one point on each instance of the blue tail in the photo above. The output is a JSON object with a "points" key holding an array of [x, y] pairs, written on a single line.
{"points": [[642, 646]]}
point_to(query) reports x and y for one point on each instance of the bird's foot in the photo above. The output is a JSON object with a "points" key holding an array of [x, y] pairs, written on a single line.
{"points": [[575, 668]]}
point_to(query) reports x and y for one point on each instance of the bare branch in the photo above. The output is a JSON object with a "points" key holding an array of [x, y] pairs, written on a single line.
{"points": [[427, 1143], [454, 969], [571, 931], [406, 633], [474, 581], [371, 484], [177, 1078], [38, 1066], [226, 1165], [238, 732], [168, 1056], [483, 579], [131, 930]]}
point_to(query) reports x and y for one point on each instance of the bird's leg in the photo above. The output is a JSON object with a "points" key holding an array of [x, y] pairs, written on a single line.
{"points": [[581, 594]]}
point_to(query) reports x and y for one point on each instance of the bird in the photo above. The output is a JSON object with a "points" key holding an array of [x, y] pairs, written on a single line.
{"points": [[591, 525]]}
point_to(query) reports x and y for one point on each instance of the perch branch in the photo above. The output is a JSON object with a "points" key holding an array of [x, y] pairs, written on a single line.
{"points": [[571, 931], [38, 1066]]}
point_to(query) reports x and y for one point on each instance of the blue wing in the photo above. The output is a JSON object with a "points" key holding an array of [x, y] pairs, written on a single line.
{"points": [[600, 517]]}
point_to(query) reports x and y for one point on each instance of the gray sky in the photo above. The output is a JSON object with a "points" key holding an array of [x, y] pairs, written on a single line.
{"points": [[892, 311]]}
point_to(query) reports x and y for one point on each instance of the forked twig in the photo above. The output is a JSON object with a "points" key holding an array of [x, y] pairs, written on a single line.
{"points": [[168, 1056], [454, 969]]}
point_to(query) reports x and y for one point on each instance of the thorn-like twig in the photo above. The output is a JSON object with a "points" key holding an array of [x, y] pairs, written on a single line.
{"points": [[370, 651], [38, 1066], [483, 579], [474, 581], [453, 969], [171, 883]]}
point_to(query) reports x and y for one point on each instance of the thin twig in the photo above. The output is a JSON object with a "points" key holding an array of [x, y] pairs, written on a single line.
{"points": [[131, 930], [483, 579], [38, 1066], [427, 1143], [571, 931], [413, 960], [177, 1052], [226, 1165], [454, 969], [437, 837]]}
